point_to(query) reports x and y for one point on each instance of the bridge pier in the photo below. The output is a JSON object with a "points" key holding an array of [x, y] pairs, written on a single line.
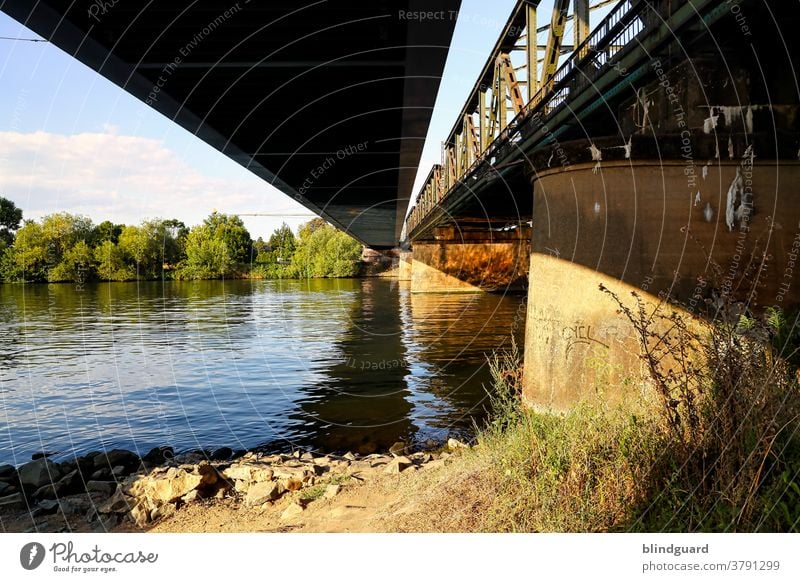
{"points": [[633, 225], [471, 258]]}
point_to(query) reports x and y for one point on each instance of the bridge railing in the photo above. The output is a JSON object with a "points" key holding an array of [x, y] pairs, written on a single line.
{"points": [[473, 143]]}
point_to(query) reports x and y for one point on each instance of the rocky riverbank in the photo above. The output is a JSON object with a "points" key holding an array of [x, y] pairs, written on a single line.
{"points": [[118, 490]]}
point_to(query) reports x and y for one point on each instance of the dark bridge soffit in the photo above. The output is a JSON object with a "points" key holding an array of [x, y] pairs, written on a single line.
{"points": [[279, 86]]}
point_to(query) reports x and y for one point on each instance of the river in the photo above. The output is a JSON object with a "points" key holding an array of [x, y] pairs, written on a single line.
{"points": [[323, 364]]}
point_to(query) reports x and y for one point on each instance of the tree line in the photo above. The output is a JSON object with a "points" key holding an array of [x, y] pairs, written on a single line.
{"points": [[65, 247]]}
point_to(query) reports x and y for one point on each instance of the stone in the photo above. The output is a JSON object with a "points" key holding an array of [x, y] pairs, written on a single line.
{"points": [[456, 445], [41, 455], [171, 489], [349, 456], [241, 486], [162, 511], [7, 472], [12, 502], [190, 458], [377, 462], [37, 473], [249, 473], [140, 514], [222, 454], [107, 522], [397, 465], [158, 455], [282, 472], [367, 448], [101, 475], [292, 484], [397, 448], [117, 503], [47, 506], [293, 511], [115, 457], [296, 454], [432, 465], [208, 474], [306, 457], [331, 491], [6, 488], [104, 487], [64, 486], [191, 496], [259, 493]]}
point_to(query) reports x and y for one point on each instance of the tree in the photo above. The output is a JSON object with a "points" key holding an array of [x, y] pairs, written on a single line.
{"points": [[230, 229], [105, 231], [283, 243], [28, 259], [76, 265], [326, 252], [111, 265], [141, 244], [10, 219], [207, 256]]}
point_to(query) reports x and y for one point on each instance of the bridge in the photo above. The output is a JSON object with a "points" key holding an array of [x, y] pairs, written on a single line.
{"points": [[327, 100], [658, 152], [660, 156]]}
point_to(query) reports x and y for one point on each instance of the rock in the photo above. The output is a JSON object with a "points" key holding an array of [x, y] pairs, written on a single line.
{"points": [[296, 454], [107, 522], [162, 511], [249, 473], [191, 496], [12, 502], [101, 475], [292, 484], [222, 454], [119, 471], [140, 514], [349, 456], [259, 493], [241, 486], [117, 503], [379, 461], [191, 458], [431, 465], [306, 457], [47, 506], [171, 489], [331, 491], [292, 512], [6, 488], [37, 473], [158, 455], [104, 487], [7, 472], [115, 457], [367, 448], [397, 465], [456, 445], [64, 486], [220, 494], [41, 455], [281, 472], [397, 448]]}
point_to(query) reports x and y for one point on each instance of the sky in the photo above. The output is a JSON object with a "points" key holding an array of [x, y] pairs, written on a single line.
{"points": [[70, 140]]}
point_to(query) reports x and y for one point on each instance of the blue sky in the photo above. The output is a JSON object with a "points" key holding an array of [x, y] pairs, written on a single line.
{"points": [[71, 140]]}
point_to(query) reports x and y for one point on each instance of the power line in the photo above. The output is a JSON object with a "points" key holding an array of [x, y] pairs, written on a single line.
{"points": [[24, 39]]}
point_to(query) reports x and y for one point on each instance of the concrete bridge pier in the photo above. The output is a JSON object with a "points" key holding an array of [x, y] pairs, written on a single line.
{"points": [[633, 225], [472, 257]]}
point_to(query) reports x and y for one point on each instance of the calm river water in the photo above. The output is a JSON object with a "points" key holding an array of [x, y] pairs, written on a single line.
{"points": [[329, 365]]}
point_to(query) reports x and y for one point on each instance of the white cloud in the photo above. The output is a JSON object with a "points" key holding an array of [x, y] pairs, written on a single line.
{"points": [[126, 179]]}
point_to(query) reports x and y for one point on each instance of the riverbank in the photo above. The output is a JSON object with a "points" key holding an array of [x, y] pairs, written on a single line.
{"points": [[118, 491]]}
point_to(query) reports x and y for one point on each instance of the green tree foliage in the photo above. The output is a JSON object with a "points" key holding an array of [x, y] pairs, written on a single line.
{"points": [[27, 260], [207, 255], [10, 219], [230, 229], [77, 264], [106, 231], [111, 264], [324, 251]]}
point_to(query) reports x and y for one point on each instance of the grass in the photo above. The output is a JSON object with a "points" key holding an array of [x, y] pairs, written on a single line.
{"points": [[718, 452]]}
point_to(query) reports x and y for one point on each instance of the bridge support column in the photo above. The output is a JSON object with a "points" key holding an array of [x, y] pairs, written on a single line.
{"points": [[635, 226], [471, 259]]}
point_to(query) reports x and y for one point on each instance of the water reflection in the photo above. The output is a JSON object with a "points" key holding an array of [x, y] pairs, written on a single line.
{"points": [[329, 364]]}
